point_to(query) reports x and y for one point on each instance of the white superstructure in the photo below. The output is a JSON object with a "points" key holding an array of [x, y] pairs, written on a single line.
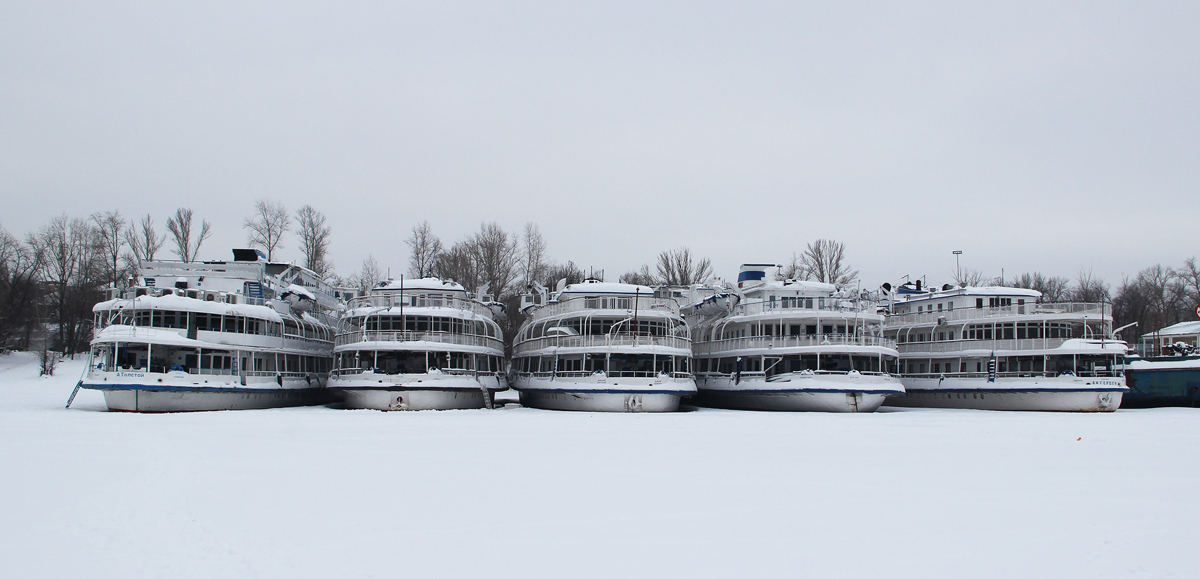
{"points": [[604, 347], [214, 336], [1001, 348], [420, 344], [790, 345]]}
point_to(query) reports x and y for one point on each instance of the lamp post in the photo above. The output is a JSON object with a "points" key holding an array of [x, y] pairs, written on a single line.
{"points": [[957, 269]]}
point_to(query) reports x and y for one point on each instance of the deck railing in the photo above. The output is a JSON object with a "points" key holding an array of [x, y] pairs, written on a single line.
{"points": [[411, 301], [399, 336], [963, 345], [602, 341], [646, 303], [1072, 310], [828, 304], [808, 340]]}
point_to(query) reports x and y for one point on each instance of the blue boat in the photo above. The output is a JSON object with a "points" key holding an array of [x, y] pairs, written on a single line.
{"points": [[1162, 381]]}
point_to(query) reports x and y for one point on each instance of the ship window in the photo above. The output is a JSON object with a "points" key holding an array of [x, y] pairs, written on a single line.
{"points": [[826, 329], [810, 329], [940, 307], [978, 302]]}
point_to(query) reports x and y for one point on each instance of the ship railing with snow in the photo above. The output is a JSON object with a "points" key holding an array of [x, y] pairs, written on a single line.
{"points": [[643, 303], [984, 345], [1076, 310], [602, 341], [395, 300], [353, 337], [800, 341], [799, 304]]}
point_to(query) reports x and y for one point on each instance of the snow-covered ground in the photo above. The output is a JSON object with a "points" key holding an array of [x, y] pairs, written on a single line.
{"points": [[322, 492]]}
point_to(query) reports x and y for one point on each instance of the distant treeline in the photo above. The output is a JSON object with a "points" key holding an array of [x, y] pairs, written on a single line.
{"points": [[50, 280]]}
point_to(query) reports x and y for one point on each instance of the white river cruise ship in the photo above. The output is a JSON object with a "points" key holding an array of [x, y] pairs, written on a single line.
{"points": [[214, 335], [791, 345], [419, 344], [604, 347], [1002, 348]]}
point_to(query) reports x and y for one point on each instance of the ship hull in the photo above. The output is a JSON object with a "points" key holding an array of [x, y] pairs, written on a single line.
{"points": [[601, 394], [591, 401], [1064, 394], [425, 392], [801, 392], [1158, 382], [135, 398]]}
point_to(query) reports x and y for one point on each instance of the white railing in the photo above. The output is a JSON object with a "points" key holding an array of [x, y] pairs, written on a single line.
{"points": [[602, 341], [1064, 310], [842, 305], [439, 337], [647, 303], [411, 301], [962, 345], [450, 371], [765, 342]]}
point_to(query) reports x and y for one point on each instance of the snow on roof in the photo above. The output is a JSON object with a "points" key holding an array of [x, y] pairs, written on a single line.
{"points": [[991, 290], [591, 287], [424, 283], [300, 290], [158, 336], [178, 303], [1180, 329], [794, 284]]}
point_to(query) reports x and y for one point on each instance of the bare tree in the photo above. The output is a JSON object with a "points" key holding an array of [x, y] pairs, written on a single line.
{"points": [[267, 226], [1189, 277], [73, 267], [496, 259], [314, 239], [533, 255], [144, 241], [1155, 298], [1089, 288], [969, 278], [425, 248], [676, 267], [641, 276], [110, 226], [180, 227], [368, 277], [19, 289], [1053, 289], [793, 269], [823, 260], [568, 271], [457, 264]]}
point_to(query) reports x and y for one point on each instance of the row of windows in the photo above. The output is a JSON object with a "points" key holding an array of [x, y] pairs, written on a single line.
{"points": [[221, 323], [1032, 364], [1006, 331], [596, 327], [740, 331], [174, 358], [611, 364], [419, 362], [609, 303], [773, 365], [426, 324]]}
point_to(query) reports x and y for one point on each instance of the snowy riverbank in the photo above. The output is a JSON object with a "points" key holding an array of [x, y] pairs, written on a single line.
{"points": [[321, 492]]}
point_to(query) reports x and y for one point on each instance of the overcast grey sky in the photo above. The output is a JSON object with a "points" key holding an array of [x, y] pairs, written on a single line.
{"points": [[1047, 136]]}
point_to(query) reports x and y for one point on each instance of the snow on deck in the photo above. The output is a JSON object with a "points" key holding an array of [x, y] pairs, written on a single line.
{"points": [[322, 492]]}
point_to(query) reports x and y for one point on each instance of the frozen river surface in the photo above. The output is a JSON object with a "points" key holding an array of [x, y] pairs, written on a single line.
{"points": [[322, 492]]}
